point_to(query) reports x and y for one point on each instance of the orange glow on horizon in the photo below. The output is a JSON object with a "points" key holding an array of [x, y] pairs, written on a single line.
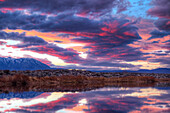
{"points": [[47, 36], [50, 37]]}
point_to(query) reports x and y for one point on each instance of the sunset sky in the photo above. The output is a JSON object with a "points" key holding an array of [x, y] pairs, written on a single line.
{"points": [[87, 34]]}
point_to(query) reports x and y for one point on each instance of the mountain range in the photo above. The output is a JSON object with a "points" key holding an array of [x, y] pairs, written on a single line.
{"points": [[32, 64], [158, 70], [21, 64]]}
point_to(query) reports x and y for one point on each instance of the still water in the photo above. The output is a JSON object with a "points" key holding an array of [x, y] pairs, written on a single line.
{"points": [[103, 100]]}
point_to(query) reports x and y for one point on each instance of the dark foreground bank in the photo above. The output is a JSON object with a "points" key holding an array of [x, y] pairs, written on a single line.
{"points": [[19, 82]]}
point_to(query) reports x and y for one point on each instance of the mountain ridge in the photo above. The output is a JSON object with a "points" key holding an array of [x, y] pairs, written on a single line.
{"points": [[158, 70], [32, 64], [21, 64]]}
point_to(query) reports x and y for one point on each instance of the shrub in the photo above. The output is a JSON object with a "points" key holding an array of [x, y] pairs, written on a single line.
{"points": [[7, 71]]}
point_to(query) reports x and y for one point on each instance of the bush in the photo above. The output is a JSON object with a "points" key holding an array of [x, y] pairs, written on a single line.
{"points": [[7, 72]]}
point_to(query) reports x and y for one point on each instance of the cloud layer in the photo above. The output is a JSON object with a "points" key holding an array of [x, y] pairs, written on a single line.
{"points": [[87, 34]]}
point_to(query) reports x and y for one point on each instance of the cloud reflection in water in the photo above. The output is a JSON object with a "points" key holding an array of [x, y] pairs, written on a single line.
{"points": [[104, 100]]}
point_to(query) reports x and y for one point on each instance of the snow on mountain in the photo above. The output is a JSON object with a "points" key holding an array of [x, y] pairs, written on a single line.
{"points": [[21, 64]]}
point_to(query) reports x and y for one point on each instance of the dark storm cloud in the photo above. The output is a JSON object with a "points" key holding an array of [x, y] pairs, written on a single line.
{"points": [[162, 60], [24, 111], [166, 45], [155, 42], [68, 55], [158, 34], [162, 53], [71, 56], [58, 41], [101, 34], [74, 6], [106, 38], [161, 9], [96, 65], [25, 40], [113, 40], [78, 67], [125, 53], [109, 64], [63, 35], [37, 44], [70, 23], [163, 24], [114, 30], [61, 23], [168, 41], [18, 20]]}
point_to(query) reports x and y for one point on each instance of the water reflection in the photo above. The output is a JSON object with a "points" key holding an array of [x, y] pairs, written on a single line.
{"points": [[104, 100]]}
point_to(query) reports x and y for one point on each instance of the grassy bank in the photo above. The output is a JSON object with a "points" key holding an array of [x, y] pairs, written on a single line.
{"points": [[73, 83], [24, 80]]}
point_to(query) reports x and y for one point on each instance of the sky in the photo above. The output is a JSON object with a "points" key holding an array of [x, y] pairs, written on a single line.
{"points": [[87, 34]]}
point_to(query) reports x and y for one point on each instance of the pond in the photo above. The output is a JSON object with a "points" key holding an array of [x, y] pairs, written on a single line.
{"points": [[102, 100]]}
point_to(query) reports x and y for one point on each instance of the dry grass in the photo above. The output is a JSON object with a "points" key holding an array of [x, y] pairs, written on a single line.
{"points": [[15, 80], [132, 79], [163, 80], [27, 80], [73, 83]]}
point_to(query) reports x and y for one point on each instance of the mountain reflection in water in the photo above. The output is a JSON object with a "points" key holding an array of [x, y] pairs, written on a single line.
{"points": [[104, 100]]}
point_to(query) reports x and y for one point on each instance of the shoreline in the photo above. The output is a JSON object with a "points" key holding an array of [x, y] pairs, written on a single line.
{"points": [[70, 83], [74, 72], [76, 80]]}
